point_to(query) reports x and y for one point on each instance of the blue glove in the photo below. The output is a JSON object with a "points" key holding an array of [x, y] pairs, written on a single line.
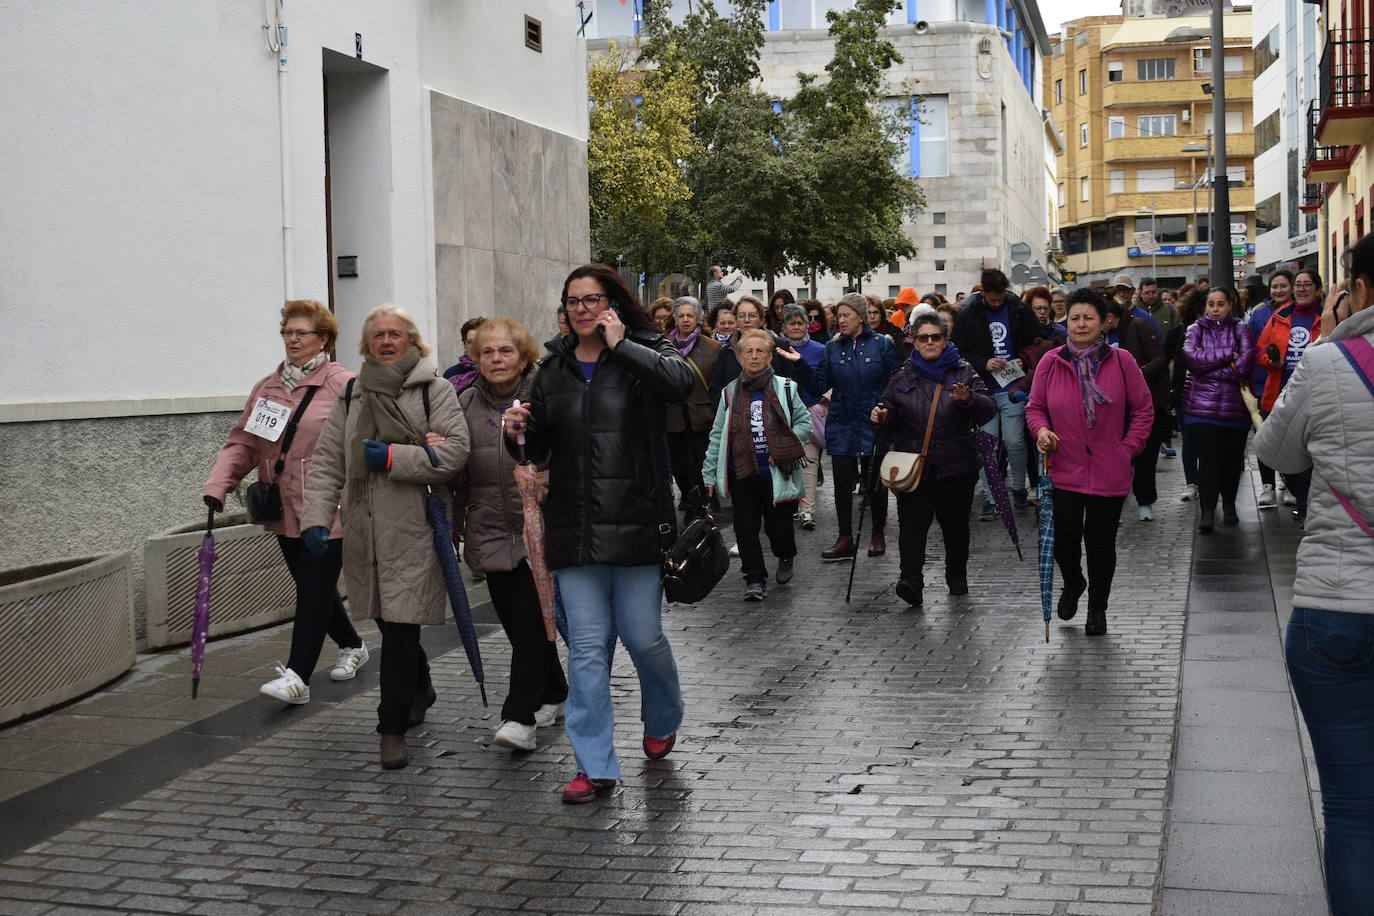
{"points": [[316, 539], [377, 454]]}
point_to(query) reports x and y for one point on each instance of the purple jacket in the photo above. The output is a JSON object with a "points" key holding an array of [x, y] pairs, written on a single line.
{"points": [[952, 449], [1215, 373]]}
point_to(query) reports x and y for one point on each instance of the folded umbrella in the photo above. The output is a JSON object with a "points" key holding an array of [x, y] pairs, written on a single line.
{"points": [[528, 480], [200, 625], [1251, 405], [997, 487], [453, 581], [1046, 493]]}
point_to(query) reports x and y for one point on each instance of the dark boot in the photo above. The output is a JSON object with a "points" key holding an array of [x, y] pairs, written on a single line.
{"points": [[909, 590], [877, 544], [394, 753], [957, 582], [1206, 521], [1096, 624], [1228, 514], [844, 549], [1068, 599], [422, 702]]}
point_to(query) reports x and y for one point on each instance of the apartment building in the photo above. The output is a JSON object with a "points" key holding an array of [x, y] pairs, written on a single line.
{"points": [[978, 149], [1132, 97], [1340, 166]]}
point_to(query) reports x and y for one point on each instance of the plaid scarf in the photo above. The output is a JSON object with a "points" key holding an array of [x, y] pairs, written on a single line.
{"points": [[784, 448]]}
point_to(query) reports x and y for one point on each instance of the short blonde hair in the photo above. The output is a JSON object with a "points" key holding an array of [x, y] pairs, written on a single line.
{"points": [[321, 319], [519, 335], [766, 334], [390, 308]]}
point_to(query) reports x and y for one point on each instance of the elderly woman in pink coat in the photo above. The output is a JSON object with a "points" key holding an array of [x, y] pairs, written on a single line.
{"points": [[1090, 413], [276, 434]]}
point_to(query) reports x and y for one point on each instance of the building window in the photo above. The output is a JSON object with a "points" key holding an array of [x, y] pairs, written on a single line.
{"points": [[1235, 175], [1082, 82], [1111, 234], [1231, 63], [1083, 134], [939, 266], [1116, 181], [892, 291], [1267, 51], [1154, 179], [1083, 188], [933, 137], [939, 241], [1160, 68], [942, 289], [938, 217], [1267, 133], [1268, 214], [1074, 241], [1168, 230], [1061, 194], [894, 267], [1157, 125], [804, 293], [1058, 89], [1115, 71], [1235, 121], [1116, 127]]}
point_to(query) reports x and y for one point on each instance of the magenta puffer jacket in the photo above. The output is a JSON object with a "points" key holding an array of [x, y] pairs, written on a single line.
{"points": [[1219, 356]]}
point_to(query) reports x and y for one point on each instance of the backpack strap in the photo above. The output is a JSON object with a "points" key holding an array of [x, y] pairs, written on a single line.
{"points": [[348, 394], [1360, 355], [424, 396]]}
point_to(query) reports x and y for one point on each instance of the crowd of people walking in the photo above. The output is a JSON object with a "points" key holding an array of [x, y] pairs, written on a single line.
{"points": [[733, 403]]}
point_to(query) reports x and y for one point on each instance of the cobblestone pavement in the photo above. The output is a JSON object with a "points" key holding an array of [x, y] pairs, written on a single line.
{"points": [[857, 758]]}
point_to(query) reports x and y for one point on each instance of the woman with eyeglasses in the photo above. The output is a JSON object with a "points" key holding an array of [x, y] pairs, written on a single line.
{"points": [[1289, 332], [301, 390], [595, 415], [936, 379], [748, 315], [877, 320]]}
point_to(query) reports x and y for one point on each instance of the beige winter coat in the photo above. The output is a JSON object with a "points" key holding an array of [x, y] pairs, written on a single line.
{"points": [[388, 549]]}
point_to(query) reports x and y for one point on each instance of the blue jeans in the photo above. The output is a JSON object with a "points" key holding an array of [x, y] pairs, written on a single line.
{"points": [[1009, 425], [633, 595], [1331, 661]]}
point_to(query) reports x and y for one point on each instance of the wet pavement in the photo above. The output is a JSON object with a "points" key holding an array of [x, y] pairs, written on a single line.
{"points": [[835, 758]]}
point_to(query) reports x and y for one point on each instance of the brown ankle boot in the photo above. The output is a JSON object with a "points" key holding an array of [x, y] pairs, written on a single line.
{"points": [[418, 706], [877, 545], [394, 753], [844, 549]]}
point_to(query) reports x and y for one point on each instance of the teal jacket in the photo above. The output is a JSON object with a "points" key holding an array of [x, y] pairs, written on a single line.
{"points": [[716, 470]]}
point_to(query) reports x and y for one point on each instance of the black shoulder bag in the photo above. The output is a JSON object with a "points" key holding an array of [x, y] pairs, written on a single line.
{"points": [[264, 499]]}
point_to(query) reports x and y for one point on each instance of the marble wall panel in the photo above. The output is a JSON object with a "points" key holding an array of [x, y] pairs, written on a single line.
{"points": [[479, 277], [506, 186], [446, 156], [555, 212], [451, 300], [579, 205], [477, 175]]}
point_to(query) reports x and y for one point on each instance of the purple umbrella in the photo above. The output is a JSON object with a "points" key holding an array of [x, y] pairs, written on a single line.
{"points": [[453, 581], [200, 626], [1046, 562], [987, 450]]}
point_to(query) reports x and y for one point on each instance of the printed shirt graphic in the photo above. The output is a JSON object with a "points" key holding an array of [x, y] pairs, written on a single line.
{"points": [[756, 430], [1298, 338], [999, 325]]}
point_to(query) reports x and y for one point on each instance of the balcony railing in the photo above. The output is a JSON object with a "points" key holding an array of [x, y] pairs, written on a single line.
{"points": [[1324, 163], [1311, 198], [1346, 91]]}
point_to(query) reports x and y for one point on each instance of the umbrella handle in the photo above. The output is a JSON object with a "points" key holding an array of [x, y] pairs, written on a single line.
{"points": [[210, 521]]}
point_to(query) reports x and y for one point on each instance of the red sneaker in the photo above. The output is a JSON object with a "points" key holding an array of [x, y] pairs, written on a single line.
{"points": [[658, 748], [584, 789]]}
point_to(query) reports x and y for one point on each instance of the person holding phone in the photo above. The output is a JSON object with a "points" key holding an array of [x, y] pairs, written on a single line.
{"points": [[595, 415]]}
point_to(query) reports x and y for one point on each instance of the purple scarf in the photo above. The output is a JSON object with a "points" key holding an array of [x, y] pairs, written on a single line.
{"points": [[1086, 361], [936, 369], [684, 344]]}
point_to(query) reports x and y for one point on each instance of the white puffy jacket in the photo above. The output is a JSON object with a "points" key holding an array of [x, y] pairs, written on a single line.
{"points": [[1324, 419]]}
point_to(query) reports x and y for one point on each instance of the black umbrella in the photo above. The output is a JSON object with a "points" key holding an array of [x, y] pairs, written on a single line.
{"points": [[453, 581]]}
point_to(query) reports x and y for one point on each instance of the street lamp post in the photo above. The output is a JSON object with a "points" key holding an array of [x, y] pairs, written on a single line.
{"points": [[1195, 147], [1220, 259]]}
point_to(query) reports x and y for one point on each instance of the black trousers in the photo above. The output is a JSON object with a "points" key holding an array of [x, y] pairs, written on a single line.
{"points": [[1220, 461], [686, 455], [319, 609], [536, 674], [948, 500], [847, 469], [405, 673], [1143, 480], [1084, 521], [752, 499]]}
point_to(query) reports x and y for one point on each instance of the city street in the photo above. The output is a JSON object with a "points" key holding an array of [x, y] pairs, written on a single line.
{"points": [[835, 758]]}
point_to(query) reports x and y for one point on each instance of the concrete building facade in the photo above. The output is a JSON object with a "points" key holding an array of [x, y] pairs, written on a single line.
{"points": [[978, 148], [1137, 125], [176, 170]]}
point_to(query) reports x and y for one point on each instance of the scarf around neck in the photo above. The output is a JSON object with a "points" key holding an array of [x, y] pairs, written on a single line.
{"points": [[937, 368], [723, 339], [292, 376], [684, 344], [1087, 360], [784, 448], [379, 415]]}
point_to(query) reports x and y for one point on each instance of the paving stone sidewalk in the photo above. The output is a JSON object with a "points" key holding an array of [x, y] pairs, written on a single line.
{"points": [[835, 758]]}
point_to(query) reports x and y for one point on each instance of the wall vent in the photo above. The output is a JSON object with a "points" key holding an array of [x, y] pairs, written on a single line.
{"points": [[534, 34]]}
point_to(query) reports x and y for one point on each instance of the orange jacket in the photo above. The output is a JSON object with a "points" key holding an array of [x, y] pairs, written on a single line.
{"points": [[1276, 332]]}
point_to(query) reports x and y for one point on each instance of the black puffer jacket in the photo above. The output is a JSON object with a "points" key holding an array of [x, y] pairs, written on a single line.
{"points": [[597, 438]]}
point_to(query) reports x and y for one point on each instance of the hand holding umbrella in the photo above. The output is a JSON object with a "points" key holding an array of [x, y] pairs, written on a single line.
{"points": [[527, 478]]}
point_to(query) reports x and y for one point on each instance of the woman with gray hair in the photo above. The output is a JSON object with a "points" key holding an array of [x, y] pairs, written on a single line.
{"points": [[794, 330], [390, 438], [687, 426]]}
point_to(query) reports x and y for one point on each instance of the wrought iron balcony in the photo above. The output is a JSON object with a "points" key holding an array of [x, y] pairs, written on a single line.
{"points": [[1346, 90], [1324, 163], [1311, 198]]}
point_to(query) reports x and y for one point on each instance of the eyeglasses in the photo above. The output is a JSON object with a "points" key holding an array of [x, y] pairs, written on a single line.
{"points": [[929, 338], [589, 301], [1303, 284], [287, 335]]}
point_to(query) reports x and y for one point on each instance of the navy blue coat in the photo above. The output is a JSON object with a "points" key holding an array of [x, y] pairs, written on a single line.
{"points": [[855, 371]]}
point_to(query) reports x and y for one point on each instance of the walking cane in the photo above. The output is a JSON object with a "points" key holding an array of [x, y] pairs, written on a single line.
{"points": [[868, 491]]}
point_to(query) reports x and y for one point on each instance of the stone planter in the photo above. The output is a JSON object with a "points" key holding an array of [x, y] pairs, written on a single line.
{"points": [[66, 627], [251, 585]]}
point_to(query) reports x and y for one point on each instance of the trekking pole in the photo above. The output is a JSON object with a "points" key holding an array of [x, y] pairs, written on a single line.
{"points": [[867, 492]]}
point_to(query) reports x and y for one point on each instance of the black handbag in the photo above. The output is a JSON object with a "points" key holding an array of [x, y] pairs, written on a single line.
{"points": [[696, 562], [264, 499]]}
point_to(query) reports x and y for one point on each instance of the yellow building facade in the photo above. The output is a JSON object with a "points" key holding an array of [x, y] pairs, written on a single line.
{"points": [[1136, 116], [1340, 165]]}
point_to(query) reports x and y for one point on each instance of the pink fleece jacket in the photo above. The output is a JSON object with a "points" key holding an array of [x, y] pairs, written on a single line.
{"points": [[1095, 461]]}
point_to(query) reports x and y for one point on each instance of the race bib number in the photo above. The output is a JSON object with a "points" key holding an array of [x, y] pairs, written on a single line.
{"points": [[1008, 374], [268, 420]]}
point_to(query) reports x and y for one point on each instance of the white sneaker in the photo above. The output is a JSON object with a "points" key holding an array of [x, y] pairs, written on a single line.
{"points": [[734, 550], [1190, 492], [287, 687], [516, 736], [548, 714], [1289, 499], [1147, 513], [350, 660], [1267, 498]]}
